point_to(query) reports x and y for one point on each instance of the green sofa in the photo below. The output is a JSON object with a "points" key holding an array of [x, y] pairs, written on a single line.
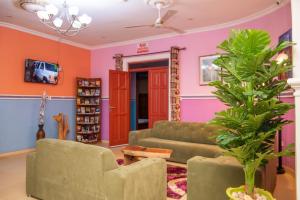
{"points": [[186, 139], [208, 178], [67, 170]]}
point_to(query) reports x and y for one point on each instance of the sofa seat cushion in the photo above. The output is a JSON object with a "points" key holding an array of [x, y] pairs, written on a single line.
{"points": [[182, 151]]}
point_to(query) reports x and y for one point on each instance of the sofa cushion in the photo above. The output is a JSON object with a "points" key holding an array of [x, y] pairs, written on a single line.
{"points": [[182, 151], [185, 131]]}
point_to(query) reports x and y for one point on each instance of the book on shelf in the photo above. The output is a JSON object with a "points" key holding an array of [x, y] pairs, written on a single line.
{"points": [[92, 110], [87, 93], [92, 120], [80, 91]]}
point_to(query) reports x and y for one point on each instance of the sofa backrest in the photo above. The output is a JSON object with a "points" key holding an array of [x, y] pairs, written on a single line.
{"points": [[72, 168], [194, 132]]}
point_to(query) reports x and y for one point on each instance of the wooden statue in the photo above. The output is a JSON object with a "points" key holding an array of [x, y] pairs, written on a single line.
{"points": [[63, 125]]}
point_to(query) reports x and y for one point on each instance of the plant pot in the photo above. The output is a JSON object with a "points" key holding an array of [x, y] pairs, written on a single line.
{"points": [[260, 191]]}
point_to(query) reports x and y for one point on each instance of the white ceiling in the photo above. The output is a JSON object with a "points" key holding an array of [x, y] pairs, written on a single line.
{"points": [[110, 16]]}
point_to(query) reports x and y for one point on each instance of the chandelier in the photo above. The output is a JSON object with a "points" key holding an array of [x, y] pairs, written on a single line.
{"points": [[65, 20]]}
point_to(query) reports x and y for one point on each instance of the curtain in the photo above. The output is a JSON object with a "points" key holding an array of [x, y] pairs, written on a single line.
{"points": [[175, 84], [119, 62]]}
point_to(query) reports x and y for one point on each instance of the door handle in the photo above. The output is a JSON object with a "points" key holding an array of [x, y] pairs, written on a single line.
{"points": [[112, 107]]}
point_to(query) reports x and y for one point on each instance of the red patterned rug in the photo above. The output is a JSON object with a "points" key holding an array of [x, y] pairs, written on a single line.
{"points": [[176, 178]]}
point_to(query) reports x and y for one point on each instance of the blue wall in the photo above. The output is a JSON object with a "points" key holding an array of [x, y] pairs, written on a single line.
{"points": [[132, 114], [133, 101], [19, 121]]}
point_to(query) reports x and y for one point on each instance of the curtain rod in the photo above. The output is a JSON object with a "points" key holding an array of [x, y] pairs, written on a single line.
{"points": [[150, 53]]}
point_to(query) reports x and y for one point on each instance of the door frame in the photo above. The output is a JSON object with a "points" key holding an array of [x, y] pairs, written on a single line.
{"points": [[147, 58], [147, 69]]}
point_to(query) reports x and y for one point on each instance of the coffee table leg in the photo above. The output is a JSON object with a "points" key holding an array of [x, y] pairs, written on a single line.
{"points": [[129, 159]]}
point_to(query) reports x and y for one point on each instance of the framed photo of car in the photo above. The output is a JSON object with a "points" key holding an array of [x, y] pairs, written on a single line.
{"points": [[207, 70], [37, 71]]}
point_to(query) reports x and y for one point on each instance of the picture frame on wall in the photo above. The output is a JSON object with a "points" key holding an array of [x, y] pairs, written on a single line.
{"points": [[208, 71]]}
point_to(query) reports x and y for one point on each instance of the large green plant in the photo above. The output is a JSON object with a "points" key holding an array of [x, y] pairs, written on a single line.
{"points": [[249, 88]]}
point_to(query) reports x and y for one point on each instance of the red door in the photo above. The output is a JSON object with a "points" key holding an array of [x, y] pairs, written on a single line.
{"points": [[158, 95], [118, 107]]}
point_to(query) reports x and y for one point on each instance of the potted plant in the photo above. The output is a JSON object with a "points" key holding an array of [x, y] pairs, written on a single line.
{"points": [[249, 87]]}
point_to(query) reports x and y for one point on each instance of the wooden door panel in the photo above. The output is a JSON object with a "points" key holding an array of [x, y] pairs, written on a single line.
{"points": [[118, 107], [164, 104], [158, 95]]}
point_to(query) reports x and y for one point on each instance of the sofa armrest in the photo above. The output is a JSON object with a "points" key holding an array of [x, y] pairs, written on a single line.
{"points": [[30, 174], [134, 136], [208, 178], [144, 180]]}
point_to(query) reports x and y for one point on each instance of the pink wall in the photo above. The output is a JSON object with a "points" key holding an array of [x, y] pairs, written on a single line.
{"points": [[194, 106], [288, 133], [197, 44], [200, 110]]}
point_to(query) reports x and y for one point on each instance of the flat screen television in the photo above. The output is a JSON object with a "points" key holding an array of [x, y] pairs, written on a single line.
{"points": [[37, 71]]}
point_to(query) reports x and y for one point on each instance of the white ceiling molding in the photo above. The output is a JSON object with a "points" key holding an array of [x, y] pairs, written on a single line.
{"points": [[43, 35], [198, 30], [252, 17]]}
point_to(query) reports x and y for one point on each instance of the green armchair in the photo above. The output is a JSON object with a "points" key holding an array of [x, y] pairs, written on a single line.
{"points": [[68, 170], [208, 178]]}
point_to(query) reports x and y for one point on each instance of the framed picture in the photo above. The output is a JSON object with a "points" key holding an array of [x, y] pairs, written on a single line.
{"points": [[208, 71]]}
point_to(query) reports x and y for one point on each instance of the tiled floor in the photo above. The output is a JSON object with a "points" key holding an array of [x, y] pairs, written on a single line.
{"points": [[13, 169]]}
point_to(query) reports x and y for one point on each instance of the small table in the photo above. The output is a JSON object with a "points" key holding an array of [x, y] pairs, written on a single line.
{"points": [[136, 153]]}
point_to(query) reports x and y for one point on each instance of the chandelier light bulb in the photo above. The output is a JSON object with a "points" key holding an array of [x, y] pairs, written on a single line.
{"points": [[85, 19], [43, 15], [51, 10], [73, 11], [58, 22], [76, 24]]}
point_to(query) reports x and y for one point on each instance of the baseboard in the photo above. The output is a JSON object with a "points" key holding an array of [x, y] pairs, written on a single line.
{"points": [[289, 170], [121, 145], [15, 153], [104, 141]]}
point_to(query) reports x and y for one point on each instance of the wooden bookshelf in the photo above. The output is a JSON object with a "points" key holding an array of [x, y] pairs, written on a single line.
{"points": [[88, 110]]}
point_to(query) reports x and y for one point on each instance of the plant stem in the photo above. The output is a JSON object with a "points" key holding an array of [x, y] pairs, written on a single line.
{"points": [[249, 171]]}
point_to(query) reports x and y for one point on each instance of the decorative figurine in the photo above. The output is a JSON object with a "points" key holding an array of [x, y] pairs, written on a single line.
{"points": [[63, 125], [41, 133]]}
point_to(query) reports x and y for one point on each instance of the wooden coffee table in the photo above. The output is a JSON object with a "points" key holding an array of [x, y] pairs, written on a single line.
{"points": [[136, 153]]}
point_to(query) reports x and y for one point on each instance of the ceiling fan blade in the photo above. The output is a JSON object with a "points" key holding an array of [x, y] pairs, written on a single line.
{"points": [[168, 15], [139, 26], [174, 29]]}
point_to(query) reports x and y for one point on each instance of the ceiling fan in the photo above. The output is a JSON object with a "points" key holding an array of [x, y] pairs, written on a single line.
{"points": [[160, 21]]}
